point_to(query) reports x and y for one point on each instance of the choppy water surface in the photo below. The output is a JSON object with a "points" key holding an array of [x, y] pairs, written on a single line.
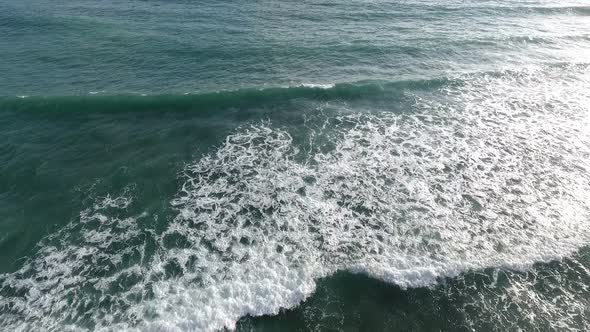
{"points": [[279, 165]]}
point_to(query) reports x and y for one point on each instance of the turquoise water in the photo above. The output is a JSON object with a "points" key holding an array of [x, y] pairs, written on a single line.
{"points": [[294, 165]]}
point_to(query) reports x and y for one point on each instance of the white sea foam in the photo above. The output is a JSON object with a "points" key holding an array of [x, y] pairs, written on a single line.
{"points": [[316, 85], [491, 171], [495, 176]]}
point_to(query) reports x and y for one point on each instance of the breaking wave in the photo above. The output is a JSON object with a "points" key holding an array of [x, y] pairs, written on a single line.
{"points": [[490, 172]]}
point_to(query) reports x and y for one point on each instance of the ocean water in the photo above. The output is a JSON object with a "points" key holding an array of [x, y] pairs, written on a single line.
{"points": [[333, 165]]}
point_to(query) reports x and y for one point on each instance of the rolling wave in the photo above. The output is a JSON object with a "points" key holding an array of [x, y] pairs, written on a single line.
{"points": [[214, 100], [373, 91]]}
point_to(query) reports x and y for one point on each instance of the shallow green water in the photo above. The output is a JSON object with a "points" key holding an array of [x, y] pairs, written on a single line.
{"points": [[294, 165]]}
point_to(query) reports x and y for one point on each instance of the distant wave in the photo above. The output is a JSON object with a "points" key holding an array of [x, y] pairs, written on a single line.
{"points": [[578, 10], [548, 10]]}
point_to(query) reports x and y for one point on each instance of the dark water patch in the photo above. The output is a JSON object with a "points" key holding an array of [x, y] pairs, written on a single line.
{"points": [[356, 302], [487, 300]]}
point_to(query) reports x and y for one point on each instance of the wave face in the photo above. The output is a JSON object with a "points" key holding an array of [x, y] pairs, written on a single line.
{"points": [[376, 91], [489, 172]]}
